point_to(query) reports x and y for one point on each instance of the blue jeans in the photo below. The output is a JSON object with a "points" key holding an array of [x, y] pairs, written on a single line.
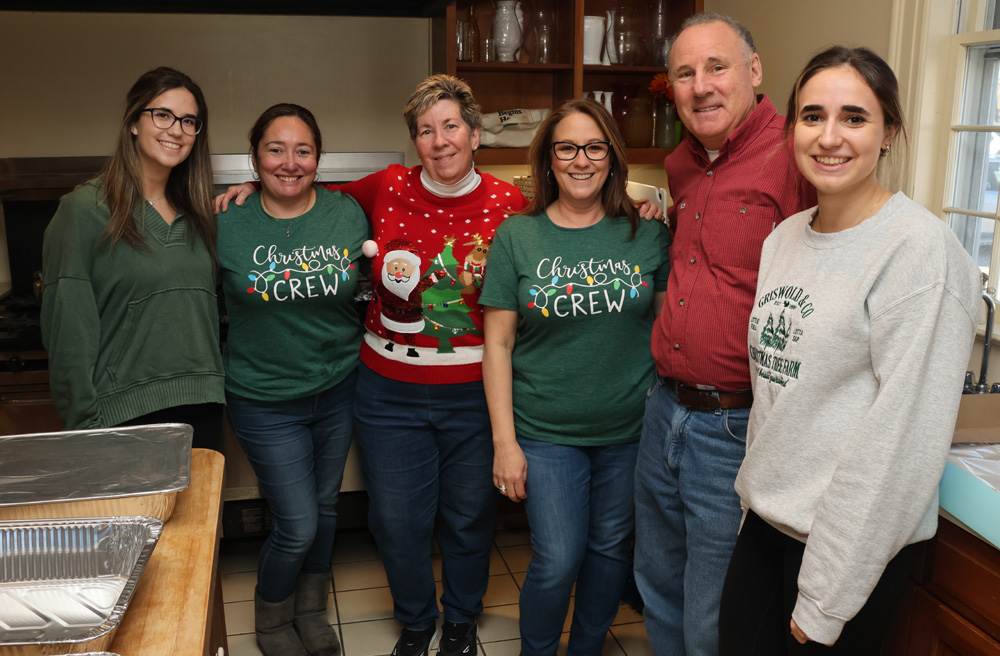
{"points": [[427, 452], [297, 449], [580, 512], [687, 519]]}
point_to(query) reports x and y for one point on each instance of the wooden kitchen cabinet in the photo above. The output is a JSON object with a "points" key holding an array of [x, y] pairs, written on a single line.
{"points": [[523, 85], [937, 630], [26, 403], [952, 607]]}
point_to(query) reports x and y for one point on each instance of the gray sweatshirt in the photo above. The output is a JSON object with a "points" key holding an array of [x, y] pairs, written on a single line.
{"points": [[858, 345]]}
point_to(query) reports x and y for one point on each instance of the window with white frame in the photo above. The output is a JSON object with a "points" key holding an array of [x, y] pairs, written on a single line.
{"points": [[973, 176]]}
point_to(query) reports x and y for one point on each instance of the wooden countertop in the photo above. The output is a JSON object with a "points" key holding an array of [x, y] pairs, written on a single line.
{"points": [[169, 613]]}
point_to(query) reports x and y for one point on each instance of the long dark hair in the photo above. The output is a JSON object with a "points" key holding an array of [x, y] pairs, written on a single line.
{"points": [[876, 73], [189, 187], [614, 199]]}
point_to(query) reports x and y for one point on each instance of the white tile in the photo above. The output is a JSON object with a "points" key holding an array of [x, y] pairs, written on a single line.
{"points": [[239, 617], [502, 591], [497, 563], [517, 557], [355, 576], [633, 639], [243, 645], [370, 638], [511, 537], [238, 586], [364, 605], [351, 547], [504, 648], [498, 623], [626, 615]]}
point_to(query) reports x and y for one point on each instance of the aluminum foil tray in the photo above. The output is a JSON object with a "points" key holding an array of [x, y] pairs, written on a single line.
{"points": [[94, 473], [65, 584]]}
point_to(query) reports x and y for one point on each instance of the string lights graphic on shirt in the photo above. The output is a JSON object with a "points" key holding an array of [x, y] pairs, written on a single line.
{"points": [[317, 271], [605, 280]]}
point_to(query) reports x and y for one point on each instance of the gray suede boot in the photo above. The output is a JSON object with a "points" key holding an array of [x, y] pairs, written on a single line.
{"points": [[311, 594], [273, 624]]}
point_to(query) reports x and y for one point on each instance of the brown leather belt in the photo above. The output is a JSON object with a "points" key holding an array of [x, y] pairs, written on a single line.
{"points": [[707, 400]]}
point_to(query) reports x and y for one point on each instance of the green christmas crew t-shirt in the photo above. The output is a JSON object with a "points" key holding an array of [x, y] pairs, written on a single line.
{"points": [[584, 297], [289, 285]]}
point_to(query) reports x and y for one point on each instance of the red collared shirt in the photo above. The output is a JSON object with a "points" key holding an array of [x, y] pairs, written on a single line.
{"points": [[722, 212]]}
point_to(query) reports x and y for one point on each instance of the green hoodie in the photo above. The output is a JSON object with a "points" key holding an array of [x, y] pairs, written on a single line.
{"points": [[128, 331]]}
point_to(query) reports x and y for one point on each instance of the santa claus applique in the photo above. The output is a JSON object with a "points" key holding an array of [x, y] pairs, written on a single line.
{"points": [[400, 290]]}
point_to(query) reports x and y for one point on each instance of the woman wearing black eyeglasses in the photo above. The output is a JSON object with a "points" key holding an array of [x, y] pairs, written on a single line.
{"points": [[570, 297], [129, 314]]}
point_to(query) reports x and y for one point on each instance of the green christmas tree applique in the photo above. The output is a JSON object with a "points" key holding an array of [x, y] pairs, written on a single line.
{"points": [[446, 313]]}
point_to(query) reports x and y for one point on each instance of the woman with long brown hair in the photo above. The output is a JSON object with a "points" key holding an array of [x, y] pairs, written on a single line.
{"points": [[862, 326], [578, 271], [129, 313]]}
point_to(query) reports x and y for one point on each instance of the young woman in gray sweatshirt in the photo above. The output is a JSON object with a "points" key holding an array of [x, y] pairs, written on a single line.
{"points": [[862, 327]]}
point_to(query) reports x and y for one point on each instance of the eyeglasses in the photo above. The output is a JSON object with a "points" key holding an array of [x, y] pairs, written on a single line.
{"points": [[595, 150], [165, 119]]}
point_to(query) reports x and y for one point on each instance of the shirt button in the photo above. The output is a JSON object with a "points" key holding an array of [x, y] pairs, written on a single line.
{"points": [[697, 215], [693, 260], [710, 173], [680, 302], [677, 347], [743, 210]]}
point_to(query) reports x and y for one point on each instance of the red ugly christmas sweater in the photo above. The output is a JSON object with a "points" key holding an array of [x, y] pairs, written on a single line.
{"points": [[424, 324]]}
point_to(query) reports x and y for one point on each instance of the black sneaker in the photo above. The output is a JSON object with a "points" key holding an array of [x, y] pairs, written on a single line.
{"points": [[458, 639], [415, 643]]}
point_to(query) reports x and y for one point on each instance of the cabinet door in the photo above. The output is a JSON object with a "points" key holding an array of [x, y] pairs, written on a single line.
{"points": [[28, 412], [937, 630], [965, 574]]}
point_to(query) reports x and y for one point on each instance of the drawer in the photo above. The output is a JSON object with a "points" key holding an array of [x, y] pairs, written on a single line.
{"points": [[964, 572]]}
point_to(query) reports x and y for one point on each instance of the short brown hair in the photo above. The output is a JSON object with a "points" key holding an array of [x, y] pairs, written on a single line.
{"points": [[433, 90], [614, 198]]}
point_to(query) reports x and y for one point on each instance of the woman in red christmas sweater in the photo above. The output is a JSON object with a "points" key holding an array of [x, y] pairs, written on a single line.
{"points": [[420, 412]]}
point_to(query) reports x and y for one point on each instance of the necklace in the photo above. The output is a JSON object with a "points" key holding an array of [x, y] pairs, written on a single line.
{"points": [[155, 200], [288, 221], [870, 212]]}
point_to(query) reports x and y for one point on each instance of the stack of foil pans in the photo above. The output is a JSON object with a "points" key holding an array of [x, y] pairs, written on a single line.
{"points": [[65, 584]]}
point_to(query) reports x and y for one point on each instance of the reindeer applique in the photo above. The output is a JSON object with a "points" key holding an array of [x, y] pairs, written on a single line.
{"points": [[470, 272]]}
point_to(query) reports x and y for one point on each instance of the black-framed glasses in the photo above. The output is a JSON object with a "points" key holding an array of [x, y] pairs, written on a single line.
{"points": [[595, 150], [164, 119]]}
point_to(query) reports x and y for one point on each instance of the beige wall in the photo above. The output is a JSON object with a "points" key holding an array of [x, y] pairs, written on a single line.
{"points": [[64, 76], [789, 32]]}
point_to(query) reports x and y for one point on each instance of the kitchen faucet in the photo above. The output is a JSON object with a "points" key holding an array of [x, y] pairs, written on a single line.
{"points": [[983, 387]]}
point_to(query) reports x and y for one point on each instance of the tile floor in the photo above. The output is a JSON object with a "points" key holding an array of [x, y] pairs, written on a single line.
{"points": [[361, 606]]}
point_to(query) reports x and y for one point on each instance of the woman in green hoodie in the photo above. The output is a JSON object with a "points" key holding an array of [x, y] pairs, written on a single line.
{"points": [[129, 313]]}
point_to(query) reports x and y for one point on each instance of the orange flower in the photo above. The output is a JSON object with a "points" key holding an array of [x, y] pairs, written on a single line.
{"points": [[661, 87]]}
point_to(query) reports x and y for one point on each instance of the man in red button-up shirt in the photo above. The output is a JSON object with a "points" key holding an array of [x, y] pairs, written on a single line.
{"points": [[732, 181]]}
